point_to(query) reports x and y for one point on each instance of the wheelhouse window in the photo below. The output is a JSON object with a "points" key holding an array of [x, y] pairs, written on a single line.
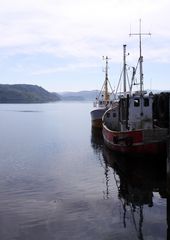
{"points": [[108, 115], [114, 114], [146, 102], [136, 102]]}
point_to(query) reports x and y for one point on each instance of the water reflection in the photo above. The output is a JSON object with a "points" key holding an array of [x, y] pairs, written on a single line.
{"points": [[97, 144], [168, 188], [96, 139], [168, 216], [136, 179]]}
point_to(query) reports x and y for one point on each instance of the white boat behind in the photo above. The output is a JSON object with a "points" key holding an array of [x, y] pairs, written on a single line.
{"points": [[103, 101]]}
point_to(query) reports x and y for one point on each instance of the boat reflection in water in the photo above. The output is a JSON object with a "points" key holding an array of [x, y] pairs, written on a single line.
{"points": [[137, 181], [168, 189], [96, 139]]}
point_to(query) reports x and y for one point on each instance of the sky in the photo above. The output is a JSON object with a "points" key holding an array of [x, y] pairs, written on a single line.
{"points": [[59, 44]]}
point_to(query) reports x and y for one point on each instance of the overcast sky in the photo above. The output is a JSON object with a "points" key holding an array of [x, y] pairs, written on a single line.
{"points": [[59, 44]]}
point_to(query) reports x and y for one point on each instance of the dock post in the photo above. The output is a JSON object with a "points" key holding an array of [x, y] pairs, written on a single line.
{"points": [[168, 177]]}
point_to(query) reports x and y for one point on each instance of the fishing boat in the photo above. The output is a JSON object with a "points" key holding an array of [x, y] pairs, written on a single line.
{"points": [[103, 100], [135, 124]]}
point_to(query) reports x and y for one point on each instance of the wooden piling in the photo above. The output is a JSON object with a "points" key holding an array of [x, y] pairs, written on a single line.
{"points": [[168, 179], [168, 154]]}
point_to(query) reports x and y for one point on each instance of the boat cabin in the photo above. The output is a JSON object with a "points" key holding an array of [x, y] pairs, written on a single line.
{"points": [[136, 112], [111, 118], [102, 103], [131, 113]]}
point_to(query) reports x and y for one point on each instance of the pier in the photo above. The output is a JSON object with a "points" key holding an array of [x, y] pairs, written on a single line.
{"points": [[168, 179]]}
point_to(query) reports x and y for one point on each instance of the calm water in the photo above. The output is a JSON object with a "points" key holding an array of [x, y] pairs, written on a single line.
{"points": [[58, 181]]}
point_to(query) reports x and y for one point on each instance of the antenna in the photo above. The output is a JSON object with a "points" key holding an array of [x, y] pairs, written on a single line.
{"points": [[124, 68], [140, 34]]}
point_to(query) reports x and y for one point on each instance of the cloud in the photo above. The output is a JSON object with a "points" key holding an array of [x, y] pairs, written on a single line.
{"points": [[65, 68], [83, 29]]}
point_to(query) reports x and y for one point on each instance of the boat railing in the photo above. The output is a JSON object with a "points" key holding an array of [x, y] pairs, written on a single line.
{"points": [[102, 103]]}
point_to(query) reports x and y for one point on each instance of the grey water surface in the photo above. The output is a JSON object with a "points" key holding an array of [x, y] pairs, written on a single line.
{"points": [[59, 182]]}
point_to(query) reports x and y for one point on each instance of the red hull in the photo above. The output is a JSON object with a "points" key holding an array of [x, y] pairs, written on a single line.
{"points": [[132, 142]]}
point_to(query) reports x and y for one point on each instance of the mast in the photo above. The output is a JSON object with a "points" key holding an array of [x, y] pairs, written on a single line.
{"points": [[140, 54], [124, 69], [106, 93]]}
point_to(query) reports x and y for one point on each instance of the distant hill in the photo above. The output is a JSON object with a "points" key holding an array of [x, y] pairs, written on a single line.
{"points": [[88, 95], [79, 96], [25, 93]]}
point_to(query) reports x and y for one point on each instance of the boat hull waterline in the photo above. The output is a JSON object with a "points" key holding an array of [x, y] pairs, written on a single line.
{"points": [[136, 142], [96, 117]]}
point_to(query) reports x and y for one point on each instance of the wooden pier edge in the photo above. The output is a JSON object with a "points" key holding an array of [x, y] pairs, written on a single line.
{"points": [[168, 178]]}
